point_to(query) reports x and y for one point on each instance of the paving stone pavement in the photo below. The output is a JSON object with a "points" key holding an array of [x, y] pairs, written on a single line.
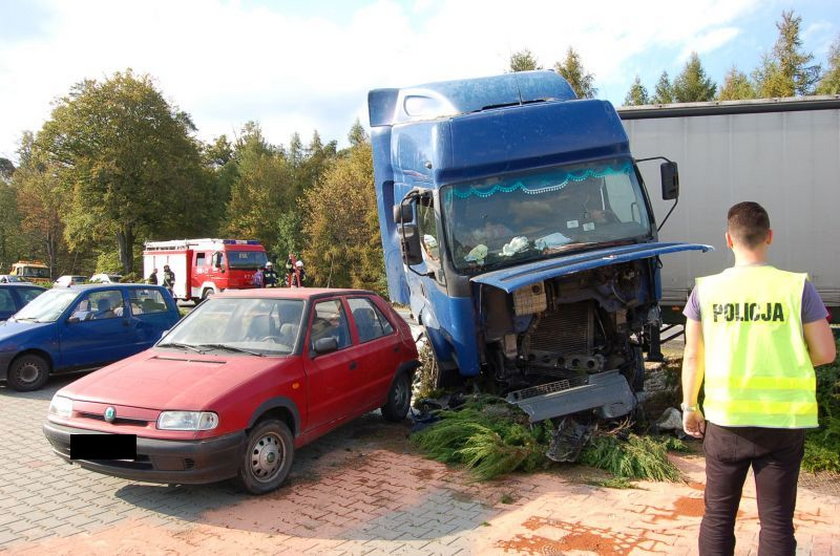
{"points": [[359, 490]]}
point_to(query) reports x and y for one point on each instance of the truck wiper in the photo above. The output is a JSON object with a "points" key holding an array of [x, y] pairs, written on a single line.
{"points": [[233, 348], [182, 345]]}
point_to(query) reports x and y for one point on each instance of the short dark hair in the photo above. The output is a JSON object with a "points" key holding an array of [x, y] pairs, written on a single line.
{"points": [[748, 223]]}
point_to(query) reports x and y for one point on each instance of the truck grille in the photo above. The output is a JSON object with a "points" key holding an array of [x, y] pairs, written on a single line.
{"points": [[569, 329]]}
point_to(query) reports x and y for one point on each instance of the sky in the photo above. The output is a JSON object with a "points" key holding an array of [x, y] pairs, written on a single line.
{"points": [[300, 66]]}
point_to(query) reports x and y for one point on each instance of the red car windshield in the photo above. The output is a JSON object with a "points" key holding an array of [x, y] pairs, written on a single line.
{"points": [[251, 325]]}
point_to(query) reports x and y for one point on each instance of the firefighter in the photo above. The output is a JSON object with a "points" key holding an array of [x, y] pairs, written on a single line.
{"points": [[270, 276], [168, 279]]}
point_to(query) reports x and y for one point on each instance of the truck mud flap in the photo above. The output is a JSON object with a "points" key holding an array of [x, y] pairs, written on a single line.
{"points": [[609, 392]]}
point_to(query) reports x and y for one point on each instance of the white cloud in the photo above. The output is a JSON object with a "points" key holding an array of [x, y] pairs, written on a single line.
{"points": [[229, 62]]}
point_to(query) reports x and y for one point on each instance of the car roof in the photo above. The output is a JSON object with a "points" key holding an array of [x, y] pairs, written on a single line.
{"points": [[110, 286], [291, 293], [21, 285]]}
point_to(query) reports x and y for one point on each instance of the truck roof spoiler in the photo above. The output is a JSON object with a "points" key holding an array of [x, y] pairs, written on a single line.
{"points": [[449, 98]]}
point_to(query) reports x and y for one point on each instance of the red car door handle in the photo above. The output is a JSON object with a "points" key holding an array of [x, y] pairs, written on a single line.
{"points": [[353, 365]]}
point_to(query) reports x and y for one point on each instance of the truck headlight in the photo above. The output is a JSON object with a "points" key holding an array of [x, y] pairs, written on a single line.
{"points": [[61, 406], [187, 420]]}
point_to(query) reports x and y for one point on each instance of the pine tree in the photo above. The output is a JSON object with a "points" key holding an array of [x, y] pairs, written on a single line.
{"points": [[664, 92], [637, 95], [357, 135], [523, 60], [572, 70], [786, 72], [693, 85], [736, 86], [830, 82]]}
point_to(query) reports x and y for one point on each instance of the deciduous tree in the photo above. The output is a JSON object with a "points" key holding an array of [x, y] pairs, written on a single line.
{"points": [[571, 68], [343, 248], [127, 160]]}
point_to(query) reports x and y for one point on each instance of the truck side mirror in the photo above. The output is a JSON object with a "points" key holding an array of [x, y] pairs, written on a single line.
{"points": [[670, 180], [410, 244], [402, 213]]}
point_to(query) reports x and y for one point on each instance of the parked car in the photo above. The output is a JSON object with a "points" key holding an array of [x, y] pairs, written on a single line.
{"points": [[14, 295], [240, 383], [106, 278], [10, 279], [69, 280], [80, 328]]}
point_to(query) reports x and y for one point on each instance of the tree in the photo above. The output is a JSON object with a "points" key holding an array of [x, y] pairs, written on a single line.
{"points": [[572, 70], [357, 135], [523, 60], [786, 73], [263, 188], [830, 82], [637, 95], [127, 160], [693, 85], [664, 93], [7, 169], [341, 225], [10, 234], [736, 86], [39, 201]]}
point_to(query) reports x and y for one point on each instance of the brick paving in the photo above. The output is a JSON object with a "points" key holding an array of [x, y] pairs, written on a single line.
{"points": [[359, 490]]}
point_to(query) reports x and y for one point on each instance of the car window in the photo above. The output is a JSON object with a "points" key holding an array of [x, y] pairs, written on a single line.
{"points": [[330, 320], [370, 322], [7, 304], [99, 305], [28, 294], [265, 326], [49, 306], [146, 301]]}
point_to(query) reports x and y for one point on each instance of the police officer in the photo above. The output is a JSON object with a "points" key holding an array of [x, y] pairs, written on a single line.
{"points": [[270, 276], [755, 334]]}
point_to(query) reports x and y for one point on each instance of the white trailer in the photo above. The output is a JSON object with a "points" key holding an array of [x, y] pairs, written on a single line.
{"points": [[784, 154]]}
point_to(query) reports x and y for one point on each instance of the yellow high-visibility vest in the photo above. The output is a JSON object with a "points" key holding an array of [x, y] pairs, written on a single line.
{"points": [[758, 370]]}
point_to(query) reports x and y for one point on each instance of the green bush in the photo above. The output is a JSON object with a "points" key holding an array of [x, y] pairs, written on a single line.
{"points": [[822, 445]]}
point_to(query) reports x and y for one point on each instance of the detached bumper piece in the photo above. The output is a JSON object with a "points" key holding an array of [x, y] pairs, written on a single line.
{"points": [[608, 392]]}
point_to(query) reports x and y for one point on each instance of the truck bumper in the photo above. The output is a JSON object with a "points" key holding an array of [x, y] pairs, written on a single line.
{"points": [[161, 461], [609, 392]]}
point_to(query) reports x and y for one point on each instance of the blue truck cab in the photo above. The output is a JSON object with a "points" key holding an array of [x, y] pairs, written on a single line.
{"points": [[516, 225]]}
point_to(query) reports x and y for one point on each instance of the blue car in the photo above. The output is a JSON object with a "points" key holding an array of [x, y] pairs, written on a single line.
{"points": [[81, 328], [14, 295]]}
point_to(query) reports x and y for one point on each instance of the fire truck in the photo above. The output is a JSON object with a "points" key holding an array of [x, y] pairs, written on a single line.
{"points": [[203, 267]]}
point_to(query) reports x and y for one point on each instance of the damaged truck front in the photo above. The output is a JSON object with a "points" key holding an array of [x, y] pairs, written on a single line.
{"points": [[516, 225]]}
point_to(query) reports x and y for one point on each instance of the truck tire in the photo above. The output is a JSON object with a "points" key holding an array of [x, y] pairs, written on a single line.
{"points": [[28, 372], [207, 292]]}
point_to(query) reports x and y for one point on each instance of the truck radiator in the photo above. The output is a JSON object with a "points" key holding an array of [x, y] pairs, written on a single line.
{"points": [[567, 330]]}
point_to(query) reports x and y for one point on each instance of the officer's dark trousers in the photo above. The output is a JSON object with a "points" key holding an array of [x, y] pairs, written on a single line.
{"points": [[775, 456]]}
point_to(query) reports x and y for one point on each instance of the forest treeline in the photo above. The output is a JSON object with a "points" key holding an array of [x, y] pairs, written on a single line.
{"points": [[116, 165]]}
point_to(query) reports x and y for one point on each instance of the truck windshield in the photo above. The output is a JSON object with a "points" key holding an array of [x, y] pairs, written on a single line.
{"points": [[497, 222], [246, 259]]}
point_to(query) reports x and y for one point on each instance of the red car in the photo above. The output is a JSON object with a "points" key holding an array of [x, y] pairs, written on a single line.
{"points": [[236, 386]]}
